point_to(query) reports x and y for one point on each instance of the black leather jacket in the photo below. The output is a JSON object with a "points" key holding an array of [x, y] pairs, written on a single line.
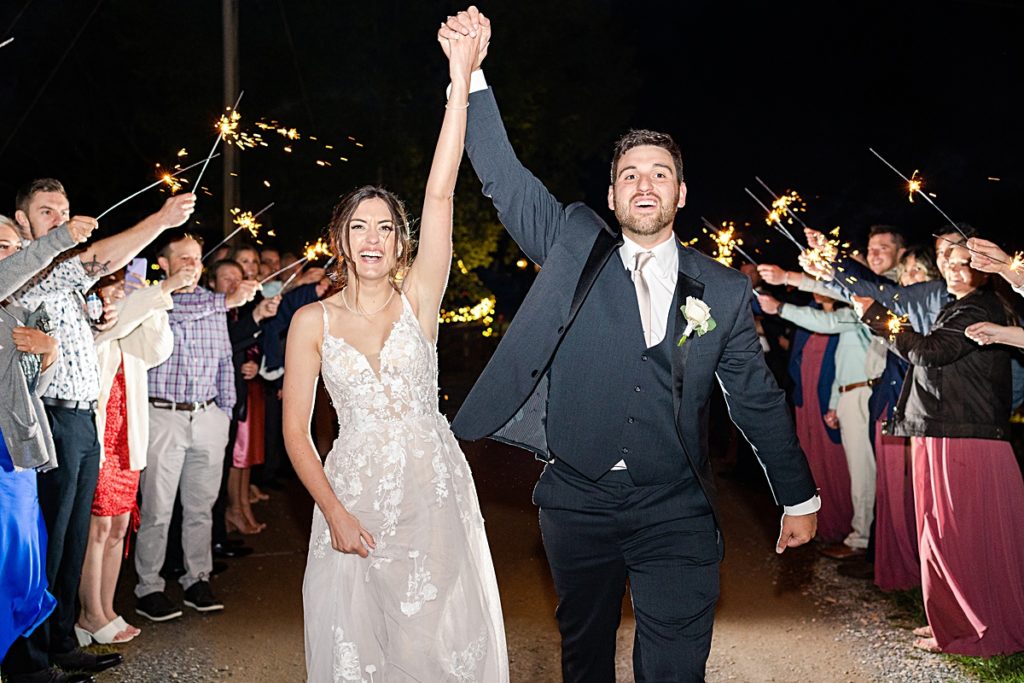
{"points": [[956, 388]]}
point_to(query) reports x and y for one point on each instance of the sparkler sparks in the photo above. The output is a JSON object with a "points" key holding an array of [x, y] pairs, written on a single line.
{"points": [[1018, 262], [318, 248], [819, 259], [772, 219], [152, 185], [220, 136], [914, 186], [172, 183], [245, 221], [895, 325]]}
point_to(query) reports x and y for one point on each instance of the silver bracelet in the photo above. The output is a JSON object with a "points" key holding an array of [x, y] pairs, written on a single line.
{"points": [[449, 105]]}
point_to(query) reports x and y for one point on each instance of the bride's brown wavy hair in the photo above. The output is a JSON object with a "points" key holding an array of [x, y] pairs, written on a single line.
{"points": [[338, 235]]}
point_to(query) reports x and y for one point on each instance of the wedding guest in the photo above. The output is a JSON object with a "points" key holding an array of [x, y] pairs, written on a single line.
{"points": [[27, 356], [140, 340], [66, 493], [969, 494], [191, 396], [817, 363]]}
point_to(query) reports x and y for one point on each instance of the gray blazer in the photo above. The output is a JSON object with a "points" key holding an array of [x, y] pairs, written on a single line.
{"points": [[22, 419], [572, 243]]}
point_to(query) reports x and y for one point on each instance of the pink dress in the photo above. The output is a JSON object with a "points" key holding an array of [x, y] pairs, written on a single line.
{"points": [[826, 459], [970, 520], [897, 566]]}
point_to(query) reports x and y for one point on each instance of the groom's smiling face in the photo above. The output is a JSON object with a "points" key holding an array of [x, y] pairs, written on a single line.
{"points": [[646, 193]]}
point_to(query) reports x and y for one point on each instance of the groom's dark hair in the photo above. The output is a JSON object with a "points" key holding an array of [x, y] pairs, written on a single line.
{"points": [[639, 137]]}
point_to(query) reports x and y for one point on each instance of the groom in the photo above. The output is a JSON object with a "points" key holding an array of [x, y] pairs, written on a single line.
{"points": [[606, 374]]}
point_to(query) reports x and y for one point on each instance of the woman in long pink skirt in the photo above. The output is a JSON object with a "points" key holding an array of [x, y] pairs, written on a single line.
{"points": [[969, 493]]}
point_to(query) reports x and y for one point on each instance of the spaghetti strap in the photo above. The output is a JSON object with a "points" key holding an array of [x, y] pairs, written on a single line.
{"points": [[327, 323]]}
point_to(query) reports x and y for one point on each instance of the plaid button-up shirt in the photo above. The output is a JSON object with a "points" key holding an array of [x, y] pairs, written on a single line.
{"points": [[200, 367]]}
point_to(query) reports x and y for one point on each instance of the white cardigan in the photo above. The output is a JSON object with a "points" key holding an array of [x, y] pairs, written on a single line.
{"points": [[142, 338]]}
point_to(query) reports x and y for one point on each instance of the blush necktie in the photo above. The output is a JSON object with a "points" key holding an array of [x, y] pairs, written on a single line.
{"points": [[643, 292]]}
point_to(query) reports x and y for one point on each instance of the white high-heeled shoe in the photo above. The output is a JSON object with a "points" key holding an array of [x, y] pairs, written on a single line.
{"points": [[104, 636]]}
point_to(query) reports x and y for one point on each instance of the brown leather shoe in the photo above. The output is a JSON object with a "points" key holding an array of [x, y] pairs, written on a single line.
{"points": [[841, 551]]}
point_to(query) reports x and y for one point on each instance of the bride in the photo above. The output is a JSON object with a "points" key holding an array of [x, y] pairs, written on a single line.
{"points": [[399, 584]]}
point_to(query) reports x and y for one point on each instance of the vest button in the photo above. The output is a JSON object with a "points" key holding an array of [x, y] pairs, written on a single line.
{"points": [[643, 356], [625, 451], [533, 373], [561, 329], [630, 420], [637, 388]]}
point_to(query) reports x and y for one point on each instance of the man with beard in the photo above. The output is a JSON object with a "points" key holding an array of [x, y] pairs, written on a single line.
{"points": [[606, 374]]}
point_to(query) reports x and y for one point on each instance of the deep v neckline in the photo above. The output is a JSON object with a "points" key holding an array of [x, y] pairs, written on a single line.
{"points": [[366, 359]]}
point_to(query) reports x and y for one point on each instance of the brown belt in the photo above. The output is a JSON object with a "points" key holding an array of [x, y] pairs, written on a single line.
{"points": [[857, 385], [170, 405]]}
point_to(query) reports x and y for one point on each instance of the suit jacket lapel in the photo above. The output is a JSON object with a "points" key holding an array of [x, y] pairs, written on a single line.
{"points": [[687, 284]]}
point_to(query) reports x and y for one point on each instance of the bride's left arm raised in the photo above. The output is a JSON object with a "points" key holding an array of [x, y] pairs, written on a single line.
{"points": [[428, 276]]}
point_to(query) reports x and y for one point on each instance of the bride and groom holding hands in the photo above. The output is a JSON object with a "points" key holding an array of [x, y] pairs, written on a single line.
{"points": [[605, 374]]}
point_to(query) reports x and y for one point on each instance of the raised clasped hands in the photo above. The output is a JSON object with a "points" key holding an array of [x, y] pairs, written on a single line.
{"points": [[464, 38]]}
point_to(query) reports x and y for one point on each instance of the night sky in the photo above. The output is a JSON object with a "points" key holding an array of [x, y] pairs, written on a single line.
{"points": [[96, 93]]}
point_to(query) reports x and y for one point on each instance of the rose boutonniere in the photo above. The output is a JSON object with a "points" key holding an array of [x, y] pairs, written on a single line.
{"points": [[698, 318]]}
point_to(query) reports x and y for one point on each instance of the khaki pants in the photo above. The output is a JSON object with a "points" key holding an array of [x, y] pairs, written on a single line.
{"points": [[186, 451], [852, 412]]}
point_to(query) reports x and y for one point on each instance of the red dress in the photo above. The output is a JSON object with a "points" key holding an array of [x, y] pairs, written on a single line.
{"points": [[826, 459], [118, 485], [970, 521]]}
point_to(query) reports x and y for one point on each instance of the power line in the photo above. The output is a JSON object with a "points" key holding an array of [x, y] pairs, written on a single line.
{"points": [[42, 88]]}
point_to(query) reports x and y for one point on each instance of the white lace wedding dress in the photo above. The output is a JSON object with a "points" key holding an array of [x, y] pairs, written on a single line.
{"points": [[424, 605]]}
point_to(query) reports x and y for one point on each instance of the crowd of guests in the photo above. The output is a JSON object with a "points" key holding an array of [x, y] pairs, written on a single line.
{"points": [[130, 406], [903, 373], [135, 406]]}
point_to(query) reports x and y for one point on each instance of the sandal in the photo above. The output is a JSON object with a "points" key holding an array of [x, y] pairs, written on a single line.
{"points": [[111, 634], [928, 645]]}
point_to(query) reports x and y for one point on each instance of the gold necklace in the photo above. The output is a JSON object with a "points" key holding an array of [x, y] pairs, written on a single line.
{"points": [[365, 314]]}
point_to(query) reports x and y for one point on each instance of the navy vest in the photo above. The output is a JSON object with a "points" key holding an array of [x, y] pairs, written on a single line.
{"points": [[610, 397]]}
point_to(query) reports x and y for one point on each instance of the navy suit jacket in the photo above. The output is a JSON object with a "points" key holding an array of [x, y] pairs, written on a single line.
{"points": [[571, 244]]}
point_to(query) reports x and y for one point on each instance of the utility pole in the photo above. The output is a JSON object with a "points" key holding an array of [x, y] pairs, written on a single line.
{"points": [[232, 189]]}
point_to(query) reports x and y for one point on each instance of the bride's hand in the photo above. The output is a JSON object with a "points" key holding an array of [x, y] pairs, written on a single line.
{"points": [[471, 26], [347, 534]]}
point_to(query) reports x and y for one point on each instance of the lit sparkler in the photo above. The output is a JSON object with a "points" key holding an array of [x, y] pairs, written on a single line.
{"points": [[736, 243], [819, 258], [914, 186], [310, 253], [220, 136], [787, 204], [163, 181], [245, 220], [772, 219], [895, 325], [7, 42]]}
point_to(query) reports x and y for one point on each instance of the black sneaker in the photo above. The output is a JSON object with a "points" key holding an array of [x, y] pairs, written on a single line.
{"points": [[199, 597], [157, 607]]}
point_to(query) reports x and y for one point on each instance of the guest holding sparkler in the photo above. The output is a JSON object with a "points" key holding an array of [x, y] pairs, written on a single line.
{"points": [[988, 257], [66, 493], [140, 339], [968, 487], [191, 397], [27, 357], [847, 410]]}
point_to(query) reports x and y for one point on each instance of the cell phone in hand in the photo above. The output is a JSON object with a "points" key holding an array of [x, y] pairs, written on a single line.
{"points": [[135, 275]]}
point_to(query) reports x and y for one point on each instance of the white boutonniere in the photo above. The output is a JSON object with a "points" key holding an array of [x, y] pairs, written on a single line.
{"points": [[698, 318]]}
